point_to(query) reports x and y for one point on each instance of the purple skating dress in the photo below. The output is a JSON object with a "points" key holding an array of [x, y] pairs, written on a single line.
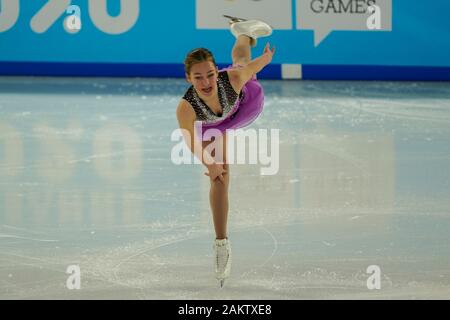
{"points": [[238, 111]]}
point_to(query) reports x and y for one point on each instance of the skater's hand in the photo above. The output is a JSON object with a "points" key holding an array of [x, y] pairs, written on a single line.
{"points": [[268, 53], [240, 77], [216, 171]]}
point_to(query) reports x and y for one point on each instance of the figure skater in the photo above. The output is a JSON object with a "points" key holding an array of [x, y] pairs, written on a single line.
{"points": [[231, 98]]}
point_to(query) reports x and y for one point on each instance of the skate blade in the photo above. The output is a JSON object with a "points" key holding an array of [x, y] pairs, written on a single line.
{"points": [[222, 282], [234, 19]]}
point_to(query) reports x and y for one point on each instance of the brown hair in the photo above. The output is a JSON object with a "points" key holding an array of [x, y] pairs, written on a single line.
{"points": [[196, 56]]}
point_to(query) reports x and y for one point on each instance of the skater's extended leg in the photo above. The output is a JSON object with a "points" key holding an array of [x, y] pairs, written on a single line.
{"points": [[241, 53]]}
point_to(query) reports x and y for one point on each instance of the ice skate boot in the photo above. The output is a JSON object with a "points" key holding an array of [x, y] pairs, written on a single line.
{"points": [[253, 29], [222, 260]]}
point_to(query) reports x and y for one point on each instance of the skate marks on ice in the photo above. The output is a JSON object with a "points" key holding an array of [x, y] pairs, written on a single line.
{"points": [[159, 266], [123, 271]]}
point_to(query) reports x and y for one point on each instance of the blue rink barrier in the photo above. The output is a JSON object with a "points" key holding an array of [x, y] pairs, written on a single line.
{"points": [[273, 71], [392, 73], [110, 70]]}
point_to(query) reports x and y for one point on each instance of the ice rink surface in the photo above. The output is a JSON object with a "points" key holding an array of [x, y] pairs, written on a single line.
{"points": [[86, 179]]}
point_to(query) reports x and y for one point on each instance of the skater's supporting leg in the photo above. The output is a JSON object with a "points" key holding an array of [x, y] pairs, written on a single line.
{"points": [[218, 195], [218, 198], [241, 53]]}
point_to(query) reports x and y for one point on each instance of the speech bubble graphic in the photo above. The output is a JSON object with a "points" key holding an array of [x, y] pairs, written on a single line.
{"points": [[325, 16]]}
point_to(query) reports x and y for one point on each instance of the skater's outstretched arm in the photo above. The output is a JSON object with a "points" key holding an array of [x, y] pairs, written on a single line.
{"points": [[186, 121], [243, 75]]}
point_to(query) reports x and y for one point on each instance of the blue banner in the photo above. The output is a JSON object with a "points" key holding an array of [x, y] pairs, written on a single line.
{"points": [[415, 33]]}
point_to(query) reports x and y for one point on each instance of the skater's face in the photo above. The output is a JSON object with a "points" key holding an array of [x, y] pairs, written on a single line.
{"points": [[203, 77]]}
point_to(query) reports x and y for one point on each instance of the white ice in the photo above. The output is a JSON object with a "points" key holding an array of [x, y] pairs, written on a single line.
{"points": [[86, 179]]}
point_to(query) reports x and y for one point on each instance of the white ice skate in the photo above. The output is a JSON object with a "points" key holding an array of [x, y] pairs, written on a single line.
{"points": [[222, 260], [251, 28]]}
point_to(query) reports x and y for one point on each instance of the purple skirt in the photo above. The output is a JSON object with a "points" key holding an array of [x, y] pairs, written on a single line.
{"points": [[244, 112]]}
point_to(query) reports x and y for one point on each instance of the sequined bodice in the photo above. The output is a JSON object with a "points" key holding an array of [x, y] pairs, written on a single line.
{"points": [[227, 98]]}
